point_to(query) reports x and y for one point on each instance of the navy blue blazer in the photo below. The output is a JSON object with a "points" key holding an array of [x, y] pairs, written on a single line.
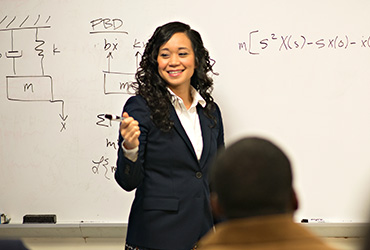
{"points": [[171, 208]]}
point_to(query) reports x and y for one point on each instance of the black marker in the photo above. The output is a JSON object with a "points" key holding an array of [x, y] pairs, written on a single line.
{"points": [[114, 117]]}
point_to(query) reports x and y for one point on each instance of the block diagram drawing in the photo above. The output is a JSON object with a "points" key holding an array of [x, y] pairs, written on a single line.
{"points": [[108, 29], [27, 80]]}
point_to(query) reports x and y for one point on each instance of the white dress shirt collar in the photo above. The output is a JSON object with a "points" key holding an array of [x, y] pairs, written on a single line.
{"points": [[197, 98]]}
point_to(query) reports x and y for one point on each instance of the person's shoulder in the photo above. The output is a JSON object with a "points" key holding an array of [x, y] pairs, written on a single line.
{"points": [[135, 102], [136, 99], [216, 106], [12, 244], [216, 109]]}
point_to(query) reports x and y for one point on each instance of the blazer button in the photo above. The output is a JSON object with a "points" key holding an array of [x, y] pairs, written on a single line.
{"points": [[198, 175]]}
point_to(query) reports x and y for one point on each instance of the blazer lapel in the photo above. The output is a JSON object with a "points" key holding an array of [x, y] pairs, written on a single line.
{"points": [[205, 124], [180, 129]]}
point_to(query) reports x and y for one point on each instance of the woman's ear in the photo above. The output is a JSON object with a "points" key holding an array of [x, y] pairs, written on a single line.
{"points": [[217, 210], [295, 203]]}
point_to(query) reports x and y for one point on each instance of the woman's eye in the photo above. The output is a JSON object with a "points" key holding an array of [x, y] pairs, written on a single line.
{"points": [[183, 53], [164, 55]]}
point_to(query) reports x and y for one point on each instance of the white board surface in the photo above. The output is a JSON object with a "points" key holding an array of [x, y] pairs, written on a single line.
{"points": [[296, 72]]}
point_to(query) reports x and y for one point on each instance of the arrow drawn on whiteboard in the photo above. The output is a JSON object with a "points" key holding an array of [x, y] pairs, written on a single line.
{"points": [[138, 56], [62, 115]]}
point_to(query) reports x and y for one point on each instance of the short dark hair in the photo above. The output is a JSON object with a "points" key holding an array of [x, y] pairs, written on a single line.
{"points": [[252, 177]]}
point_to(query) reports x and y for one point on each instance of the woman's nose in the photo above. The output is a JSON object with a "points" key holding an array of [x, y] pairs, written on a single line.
{"points": [[174, 60]]}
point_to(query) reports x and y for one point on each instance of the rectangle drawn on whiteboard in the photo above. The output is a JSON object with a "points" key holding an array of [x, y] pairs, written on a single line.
{"points": [[118, 83], [29, 88]]}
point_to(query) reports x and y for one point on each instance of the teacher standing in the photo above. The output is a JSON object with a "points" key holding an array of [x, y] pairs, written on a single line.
{"points": [[171, 133]]}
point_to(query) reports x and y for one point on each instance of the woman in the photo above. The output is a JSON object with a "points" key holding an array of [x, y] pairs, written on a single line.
{"points": [[171, 131]]}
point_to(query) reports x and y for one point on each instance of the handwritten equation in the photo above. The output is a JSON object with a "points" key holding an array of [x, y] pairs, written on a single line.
{"points": [[258, 43], [104, 164]]}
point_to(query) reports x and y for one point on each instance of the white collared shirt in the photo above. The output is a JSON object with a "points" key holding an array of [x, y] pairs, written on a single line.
{"points": [[189, 119]]}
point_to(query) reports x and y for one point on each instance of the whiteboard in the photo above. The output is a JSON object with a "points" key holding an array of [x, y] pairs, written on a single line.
{"points": [[294, 72]]}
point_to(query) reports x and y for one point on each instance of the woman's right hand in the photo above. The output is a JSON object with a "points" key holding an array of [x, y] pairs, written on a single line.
{"points": [[130, 132]]}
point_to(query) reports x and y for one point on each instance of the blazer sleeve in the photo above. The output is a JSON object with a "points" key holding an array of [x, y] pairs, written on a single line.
{"points": [[130, 174]]}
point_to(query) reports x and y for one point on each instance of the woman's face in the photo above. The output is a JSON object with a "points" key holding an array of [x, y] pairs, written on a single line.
{"points": [[176, 61]]}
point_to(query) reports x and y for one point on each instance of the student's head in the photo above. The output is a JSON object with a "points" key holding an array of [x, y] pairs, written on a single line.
{"points": [[252, 177]]}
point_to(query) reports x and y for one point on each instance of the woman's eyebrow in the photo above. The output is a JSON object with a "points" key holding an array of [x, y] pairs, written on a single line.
{"points": [[179, 48]]}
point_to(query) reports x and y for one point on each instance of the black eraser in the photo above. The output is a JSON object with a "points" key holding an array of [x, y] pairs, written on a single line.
{"points": [[40, 218]]}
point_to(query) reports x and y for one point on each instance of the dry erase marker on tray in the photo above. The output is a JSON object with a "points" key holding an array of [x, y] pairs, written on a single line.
{"points": [[314, 220], [114, 117]]}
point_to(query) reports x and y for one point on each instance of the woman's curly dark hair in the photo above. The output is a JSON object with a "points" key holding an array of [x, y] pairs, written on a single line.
{"points": [[153, 88]]}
